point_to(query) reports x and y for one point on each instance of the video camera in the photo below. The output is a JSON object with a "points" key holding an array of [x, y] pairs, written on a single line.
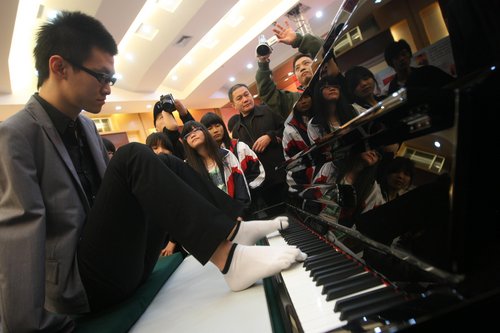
{"points": [[167, 103]]}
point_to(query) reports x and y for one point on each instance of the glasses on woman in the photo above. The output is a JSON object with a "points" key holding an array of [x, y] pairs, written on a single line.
{"points": [[194, 130]]}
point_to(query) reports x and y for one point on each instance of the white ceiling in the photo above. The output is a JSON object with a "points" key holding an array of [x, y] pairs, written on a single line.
{"points": [[195, 72]]}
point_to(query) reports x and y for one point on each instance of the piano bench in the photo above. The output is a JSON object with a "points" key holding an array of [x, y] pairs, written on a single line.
{"points": [[121, 317]]}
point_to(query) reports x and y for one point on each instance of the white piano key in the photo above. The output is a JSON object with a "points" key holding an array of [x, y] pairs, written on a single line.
{"points": [[314, 312]]}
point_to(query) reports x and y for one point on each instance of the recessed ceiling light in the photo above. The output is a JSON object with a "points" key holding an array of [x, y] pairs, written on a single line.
{"points": [[378, 1], [232, 79], [319, 14], [175, 77], [437, 144], [169, 5], [146, 31], [234, 20], [129, 56], [118, 108], [209, 42], [249, 66]]}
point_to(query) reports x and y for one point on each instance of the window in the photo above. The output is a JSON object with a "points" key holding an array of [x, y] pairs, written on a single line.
{"points": [[424, 160], [103, 124]]}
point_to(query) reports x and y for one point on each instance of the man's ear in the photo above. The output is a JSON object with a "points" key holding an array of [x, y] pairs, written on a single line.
{"points": [[57, 66]]}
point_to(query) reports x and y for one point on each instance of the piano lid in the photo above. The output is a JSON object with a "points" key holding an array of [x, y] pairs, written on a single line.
{"points": [[390, 173]]}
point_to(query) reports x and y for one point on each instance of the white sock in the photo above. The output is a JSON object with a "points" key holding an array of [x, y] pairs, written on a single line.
{"points": [[250, 232], [252, 263]]}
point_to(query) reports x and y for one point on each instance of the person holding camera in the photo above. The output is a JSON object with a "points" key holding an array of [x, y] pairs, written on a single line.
{"points": [[282, 101], [164, 121]]}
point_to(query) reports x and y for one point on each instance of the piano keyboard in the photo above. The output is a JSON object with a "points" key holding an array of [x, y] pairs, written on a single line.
{"points": [[331, 288]]}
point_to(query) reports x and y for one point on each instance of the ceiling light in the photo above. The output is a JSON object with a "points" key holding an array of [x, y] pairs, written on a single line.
{"points": [[146, 31], [319, 14], [148, 106], [437, 144], [118, 108], [129, 56], [232, 79], [169, 5], [175, 77], [378, 1], [249, 66], [234, 20], [209, 42]]}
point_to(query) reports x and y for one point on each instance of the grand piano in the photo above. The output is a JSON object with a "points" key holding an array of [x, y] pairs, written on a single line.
{"points": [[425, 261]]}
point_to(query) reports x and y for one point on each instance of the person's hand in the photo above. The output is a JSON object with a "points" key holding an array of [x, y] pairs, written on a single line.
{"points": [[168, 250], [265, 58], [261, 143], [285, 34], [180, 107], [166, 119]]}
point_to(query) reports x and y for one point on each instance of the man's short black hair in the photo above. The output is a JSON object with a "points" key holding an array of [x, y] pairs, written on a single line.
{"points": [[72, 35], [394, 48], [233, 88]]}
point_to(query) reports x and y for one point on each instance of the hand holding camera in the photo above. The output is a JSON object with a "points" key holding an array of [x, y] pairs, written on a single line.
{"points": [[167, 103]]}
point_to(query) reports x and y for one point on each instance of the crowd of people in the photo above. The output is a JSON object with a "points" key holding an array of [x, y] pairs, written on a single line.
{"points": [[91, 220]]}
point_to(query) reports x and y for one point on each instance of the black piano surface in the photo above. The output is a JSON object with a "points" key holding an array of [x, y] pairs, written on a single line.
{"points": [[428, 260]]}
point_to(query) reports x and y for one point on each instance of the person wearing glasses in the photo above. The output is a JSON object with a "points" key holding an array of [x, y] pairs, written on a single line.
{"points": [[214, 163], [79, 234]]}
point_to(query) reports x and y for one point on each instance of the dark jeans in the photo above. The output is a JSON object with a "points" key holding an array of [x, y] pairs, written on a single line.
{"points": [[141, 198]]}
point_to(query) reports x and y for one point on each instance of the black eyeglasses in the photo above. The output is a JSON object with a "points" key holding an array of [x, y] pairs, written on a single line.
{"points": [[195, 129], [103, 78]]}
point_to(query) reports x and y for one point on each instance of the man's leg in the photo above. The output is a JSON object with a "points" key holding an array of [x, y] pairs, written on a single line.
{"points": [[139, 201]]}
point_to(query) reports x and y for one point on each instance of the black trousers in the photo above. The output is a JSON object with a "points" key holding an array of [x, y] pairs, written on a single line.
{"points": [[142, 197]]}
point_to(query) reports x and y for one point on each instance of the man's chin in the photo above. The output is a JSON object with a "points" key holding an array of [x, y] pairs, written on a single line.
{"points": [[306, 80], [93, 110]]}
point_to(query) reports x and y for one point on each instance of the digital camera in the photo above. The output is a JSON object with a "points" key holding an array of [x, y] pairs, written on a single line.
{"points": [[167, 103]]}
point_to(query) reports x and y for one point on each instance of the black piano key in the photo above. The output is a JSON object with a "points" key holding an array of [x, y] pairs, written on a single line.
{"points": [[317, 250], [373, 309], [356, 284], [356, 310], [346, 281], [325, 265], [314, 246], [331, 270], [322, 255], [322, 261], [303, 242], [345, 273], [353, 301]]}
